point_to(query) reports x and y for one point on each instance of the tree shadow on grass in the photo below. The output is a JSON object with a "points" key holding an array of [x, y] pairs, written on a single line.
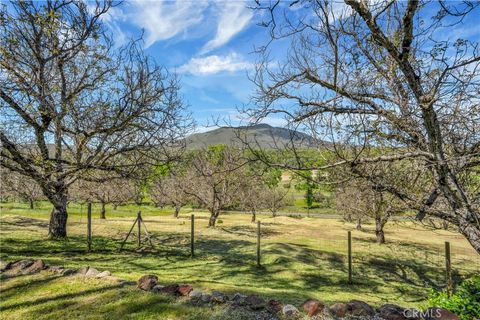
{"points": [[60, 297], [406, 271], [289, 253], [221, 261], [250, 231], [30, 284], [23, 222]]}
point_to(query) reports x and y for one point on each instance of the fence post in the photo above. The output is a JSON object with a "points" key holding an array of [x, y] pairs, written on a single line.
{"points": [[139, 221], [448, 267], [192, 235], [89, 226], [258, 244], [350, 257]]}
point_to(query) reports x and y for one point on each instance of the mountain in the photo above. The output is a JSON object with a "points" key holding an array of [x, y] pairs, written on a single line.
{"points": [[266, 136]]}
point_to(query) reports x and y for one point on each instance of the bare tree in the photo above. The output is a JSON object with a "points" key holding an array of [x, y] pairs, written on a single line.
{"points": [[215, 178], [277, 197], [72, 102], [382, 83], [252, 195], [360, 201], [18, 186], [108, 191], [169, 190]]}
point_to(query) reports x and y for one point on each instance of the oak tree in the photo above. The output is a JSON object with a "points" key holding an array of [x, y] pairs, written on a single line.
{"points": [[71, 101], [382, 76]]}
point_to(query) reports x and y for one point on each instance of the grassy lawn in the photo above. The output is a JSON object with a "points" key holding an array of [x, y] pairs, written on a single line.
{"points": [[302, 258]]}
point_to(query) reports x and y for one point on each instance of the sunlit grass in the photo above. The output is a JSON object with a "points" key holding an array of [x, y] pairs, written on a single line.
{"points": [[301, 258]]}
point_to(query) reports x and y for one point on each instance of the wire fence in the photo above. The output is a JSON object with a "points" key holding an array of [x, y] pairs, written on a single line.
{"points": [[240, 244]]}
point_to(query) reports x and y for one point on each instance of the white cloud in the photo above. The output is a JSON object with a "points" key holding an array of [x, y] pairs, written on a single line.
{"points": [[161, 20], [164, 20], [214, 64], [234, 17]]}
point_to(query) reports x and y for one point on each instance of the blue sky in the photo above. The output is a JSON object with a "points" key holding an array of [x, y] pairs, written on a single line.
{"points": [[209, 44]]}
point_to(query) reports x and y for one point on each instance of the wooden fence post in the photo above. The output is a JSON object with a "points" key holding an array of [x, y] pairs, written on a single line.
{"points": [[258, 244], [448, 267], [139, 221], [349, 256], [89, 226], [192, 235]]}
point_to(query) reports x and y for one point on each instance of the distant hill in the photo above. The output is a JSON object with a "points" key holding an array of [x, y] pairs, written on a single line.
{"points": [[265, 135]]}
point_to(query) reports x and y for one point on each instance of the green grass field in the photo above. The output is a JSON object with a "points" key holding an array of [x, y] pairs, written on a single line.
{"points": [[301, 258]]}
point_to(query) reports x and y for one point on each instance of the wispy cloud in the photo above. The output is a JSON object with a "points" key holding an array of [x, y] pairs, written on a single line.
{"points": [[161, 20], [234, 16], [214, 64]]}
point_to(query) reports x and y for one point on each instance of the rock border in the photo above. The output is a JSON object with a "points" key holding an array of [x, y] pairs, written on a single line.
{"points": [[266, 309]]}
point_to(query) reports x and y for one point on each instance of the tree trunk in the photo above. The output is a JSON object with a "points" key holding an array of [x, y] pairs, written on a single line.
{"points": [[102, 212], [379, 231], [58, 219], [115, 206], [30, 202], [472, 232], [177, 210], [254, 216], [213, 219], [359, 224], [445, 225]]}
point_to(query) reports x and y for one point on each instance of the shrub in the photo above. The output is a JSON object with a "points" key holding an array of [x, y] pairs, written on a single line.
{"points": [[464, 302]]}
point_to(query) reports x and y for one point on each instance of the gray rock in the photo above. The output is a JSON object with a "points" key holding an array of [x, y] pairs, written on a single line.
{"points": [[56, 269], [147, 282], [104, 274], [218, 297], [239, 299], [338, 309], [21, 264], [35, 267], [158, 288], [206, 298], [21, 267], [83, 270], [274, 306], [358, 308], [391, 312], [195, 294], [68, 272], [290, 311], [255, 302], [92, 272]]}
